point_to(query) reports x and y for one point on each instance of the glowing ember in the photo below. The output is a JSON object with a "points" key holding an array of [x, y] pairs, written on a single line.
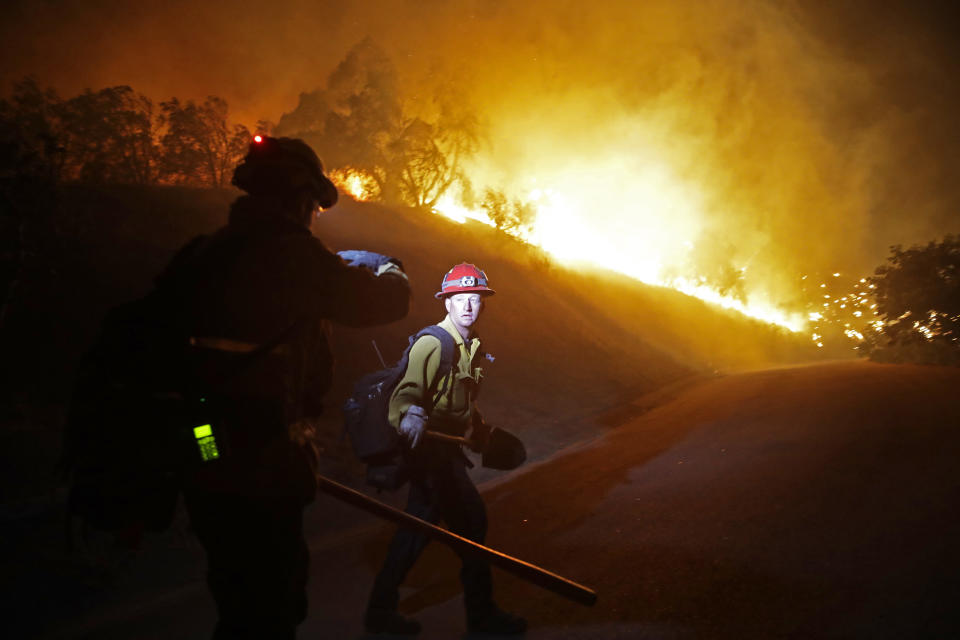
{"points": [[923, 329], [845, 316], [853, 334]]}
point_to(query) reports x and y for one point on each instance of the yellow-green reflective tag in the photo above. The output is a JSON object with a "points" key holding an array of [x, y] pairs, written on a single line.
{"points": [[206, 442]]}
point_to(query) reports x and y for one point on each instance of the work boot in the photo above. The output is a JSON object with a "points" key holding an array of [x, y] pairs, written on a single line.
{"points": [[388, 621], [498, 621]]}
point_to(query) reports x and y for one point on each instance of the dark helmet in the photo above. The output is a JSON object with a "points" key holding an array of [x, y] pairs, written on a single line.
{"points": [[278, 166]]}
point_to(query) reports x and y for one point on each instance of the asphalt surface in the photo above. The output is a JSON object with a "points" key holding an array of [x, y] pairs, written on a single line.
{"points": [[817, 501]]}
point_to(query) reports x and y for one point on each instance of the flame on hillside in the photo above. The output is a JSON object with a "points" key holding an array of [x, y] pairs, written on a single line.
{"points": [[638, 219], [357, 184], [642, 224], [448, 206], [719, 153]]}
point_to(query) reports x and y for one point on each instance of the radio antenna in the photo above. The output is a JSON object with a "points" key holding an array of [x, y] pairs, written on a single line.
{"points": [[379, 355]]}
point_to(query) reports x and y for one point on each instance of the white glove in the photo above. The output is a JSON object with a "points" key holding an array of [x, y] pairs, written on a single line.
{"points": [[413, 424], [376, 262]]}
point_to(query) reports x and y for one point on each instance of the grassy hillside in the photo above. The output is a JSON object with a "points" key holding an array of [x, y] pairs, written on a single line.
{"points": [[568, 344]]}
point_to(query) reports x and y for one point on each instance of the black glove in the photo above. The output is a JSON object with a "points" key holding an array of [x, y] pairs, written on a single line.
{"points": [[479, 434], [368, 259]]}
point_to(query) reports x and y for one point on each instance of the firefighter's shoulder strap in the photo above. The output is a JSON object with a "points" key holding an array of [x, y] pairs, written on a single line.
{"points": [[181, 268], [367, 409], [448, 357]]}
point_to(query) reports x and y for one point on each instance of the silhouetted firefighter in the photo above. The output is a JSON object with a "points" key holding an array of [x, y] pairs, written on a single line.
{"points": [[444, 399], [255, 297]]}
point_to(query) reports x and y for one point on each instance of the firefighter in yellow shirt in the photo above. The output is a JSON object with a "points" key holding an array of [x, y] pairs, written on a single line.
{"points": [[440, 487]]}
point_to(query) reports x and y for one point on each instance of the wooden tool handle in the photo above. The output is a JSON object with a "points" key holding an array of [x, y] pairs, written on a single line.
{"points": [[524, 570], [443, 437]]}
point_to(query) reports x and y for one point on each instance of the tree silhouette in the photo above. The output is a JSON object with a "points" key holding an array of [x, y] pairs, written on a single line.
{"points": [[30, 157], [507, 215], [113, 136], [360, 124], [361, 130], [109, 137], [918, 299], [199, 145], [32, 125], [430, 156]]}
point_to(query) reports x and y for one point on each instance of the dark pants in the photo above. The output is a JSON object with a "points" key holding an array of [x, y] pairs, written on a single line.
{"points": [[257, 562], [439, 489]]}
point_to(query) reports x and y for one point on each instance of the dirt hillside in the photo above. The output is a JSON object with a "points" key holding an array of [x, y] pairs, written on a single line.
{"points": [[569, 345]]}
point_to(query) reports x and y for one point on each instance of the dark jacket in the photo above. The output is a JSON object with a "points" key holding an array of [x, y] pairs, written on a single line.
{"points": [[249, 282]]}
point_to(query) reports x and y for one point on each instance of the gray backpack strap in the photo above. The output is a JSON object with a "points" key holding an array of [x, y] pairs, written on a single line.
{"points": [[448, 353]]}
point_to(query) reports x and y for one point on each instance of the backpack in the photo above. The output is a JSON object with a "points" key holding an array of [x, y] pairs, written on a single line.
{"points": [[129, 428], [138, 423], [365, 413]]}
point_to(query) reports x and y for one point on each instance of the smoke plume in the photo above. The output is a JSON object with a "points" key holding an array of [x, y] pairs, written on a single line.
{"points": [[773, 139]]}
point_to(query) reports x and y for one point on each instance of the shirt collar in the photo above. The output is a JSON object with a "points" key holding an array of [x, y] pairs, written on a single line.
{"points": [[471, 345]]}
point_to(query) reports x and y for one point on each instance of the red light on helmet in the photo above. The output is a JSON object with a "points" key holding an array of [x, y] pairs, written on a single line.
{"points": [[258, 139]]}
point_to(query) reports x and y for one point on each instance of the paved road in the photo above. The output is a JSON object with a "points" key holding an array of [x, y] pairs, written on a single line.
{"points": [[816, 501]]}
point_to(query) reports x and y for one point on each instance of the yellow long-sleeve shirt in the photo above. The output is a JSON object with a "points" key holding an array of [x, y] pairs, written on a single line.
{"points": [[453, 413]]}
